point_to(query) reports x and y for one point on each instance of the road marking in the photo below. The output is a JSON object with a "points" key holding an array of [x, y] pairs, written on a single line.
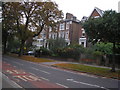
{"points": [[40, 70], [44, 71], [77, 73], [45, 79], [62, 85], [87, 84], [18, 63], [28, 78], [32, 74], [21, 77], [12, 83], [9, 71]]}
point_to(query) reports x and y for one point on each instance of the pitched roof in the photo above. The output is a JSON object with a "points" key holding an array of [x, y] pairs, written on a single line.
{"points": [[101, 12]]}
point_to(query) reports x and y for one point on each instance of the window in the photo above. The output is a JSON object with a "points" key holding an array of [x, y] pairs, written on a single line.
{"points": [[83, 35], [50, 36], [62, 26], [70, 22], [67, 25], [96, 16], [66, 35], [82, 29], [50, 29]]}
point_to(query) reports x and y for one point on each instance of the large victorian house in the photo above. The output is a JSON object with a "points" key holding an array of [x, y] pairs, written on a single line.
{"points": [[69, 29]]}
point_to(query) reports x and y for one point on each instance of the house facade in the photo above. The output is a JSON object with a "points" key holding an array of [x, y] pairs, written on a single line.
{"points": [[69, 29], [96, 13]]}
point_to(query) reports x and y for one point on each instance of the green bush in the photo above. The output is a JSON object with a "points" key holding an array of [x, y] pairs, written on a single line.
{"points": [[71, 51], [56, 43], [43, 51], [105, 48], [97, 53]]}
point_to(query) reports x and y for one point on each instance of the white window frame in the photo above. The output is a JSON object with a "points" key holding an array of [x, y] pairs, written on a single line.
{"points": [[62, 26], [66, 35], [50, 29], [67, 25]]}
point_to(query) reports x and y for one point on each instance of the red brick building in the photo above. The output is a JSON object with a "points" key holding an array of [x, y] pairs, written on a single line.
{"points": [[70, 29], [96, 13]]}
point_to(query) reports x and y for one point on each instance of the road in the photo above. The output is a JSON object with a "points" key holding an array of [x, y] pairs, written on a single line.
{"points": [[34, 75]]}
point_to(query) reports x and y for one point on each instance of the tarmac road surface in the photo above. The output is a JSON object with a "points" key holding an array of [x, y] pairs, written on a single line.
{"points": [[34, 75]]}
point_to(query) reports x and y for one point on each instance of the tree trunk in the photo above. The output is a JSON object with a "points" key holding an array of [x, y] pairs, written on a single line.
{"points": [[113, 59], [5, 44], [5, 48], [21, 48]]}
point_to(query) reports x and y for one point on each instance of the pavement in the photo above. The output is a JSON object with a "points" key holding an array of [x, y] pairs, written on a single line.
{"points": [[7, 83], [33, 75]]}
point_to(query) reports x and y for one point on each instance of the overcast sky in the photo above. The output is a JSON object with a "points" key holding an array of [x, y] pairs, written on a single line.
{"points": [[80, 8]]}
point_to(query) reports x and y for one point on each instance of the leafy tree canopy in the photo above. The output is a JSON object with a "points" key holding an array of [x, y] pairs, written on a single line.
{"points": [[105, 28]]}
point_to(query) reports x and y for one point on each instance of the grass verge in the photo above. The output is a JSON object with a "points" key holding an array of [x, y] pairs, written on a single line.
{"points": [[31, 58], [91, 70]]}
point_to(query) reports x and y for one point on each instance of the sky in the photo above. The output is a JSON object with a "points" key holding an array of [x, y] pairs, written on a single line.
{"points": [[80, 8]]}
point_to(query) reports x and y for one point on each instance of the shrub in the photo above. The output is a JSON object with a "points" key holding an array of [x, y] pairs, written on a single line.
{"points": [[97, 53], [56, 43], [103, 47], [71, 51], [46, 52], [43, 51]]}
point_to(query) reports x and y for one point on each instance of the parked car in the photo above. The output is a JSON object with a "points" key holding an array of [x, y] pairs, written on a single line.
{"points": [[30, 52]]}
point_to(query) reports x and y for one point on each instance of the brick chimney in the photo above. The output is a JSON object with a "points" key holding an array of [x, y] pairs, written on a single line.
{"points": [[69, 16]]}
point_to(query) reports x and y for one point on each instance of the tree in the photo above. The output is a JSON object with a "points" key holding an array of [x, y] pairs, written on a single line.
{"points": [[105, 29], [54, 44], [7, 26], [30, 16], [47, 14]]}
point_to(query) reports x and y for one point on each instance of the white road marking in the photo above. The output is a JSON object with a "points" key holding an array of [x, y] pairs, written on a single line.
{"points": [[61, 70], [18, 63], [35, 78], [16, 71], [9, 71], [28, 78], [62, 85], [45, 79], [32, 74], [21, 77], [77, 73], [87, 84], [40, 70], [44, 71], [14, 84]]}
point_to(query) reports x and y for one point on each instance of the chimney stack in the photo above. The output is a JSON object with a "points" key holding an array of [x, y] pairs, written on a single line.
{"points": [[69, 16]]}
